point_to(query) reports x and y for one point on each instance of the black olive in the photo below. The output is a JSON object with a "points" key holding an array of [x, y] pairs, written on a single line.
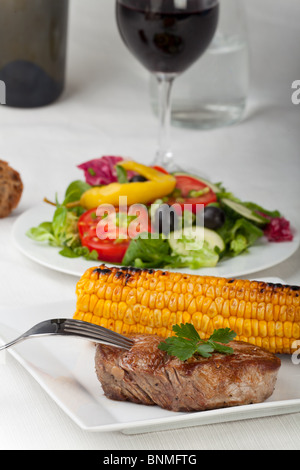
{"points": [[214, 217], [166, 219], [137, 179]]}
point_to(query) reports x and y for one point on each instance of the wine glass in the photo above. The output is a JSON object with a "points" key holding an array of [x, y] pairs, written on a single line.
{"points": [[167, 37]]}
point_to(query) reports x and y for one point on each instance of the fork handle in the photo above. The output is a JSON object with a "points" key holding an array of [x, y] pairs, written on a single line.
{"points": [[11, 343]]}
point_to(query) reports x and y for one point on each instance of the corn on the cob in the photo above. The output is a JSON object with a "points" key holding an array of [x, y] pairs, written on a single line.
{"points": [[147, 301]]}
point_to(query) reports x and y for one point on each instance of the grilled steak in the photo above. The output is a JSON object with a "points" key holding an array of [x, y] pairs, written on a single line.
{"points": [[150, 376]]}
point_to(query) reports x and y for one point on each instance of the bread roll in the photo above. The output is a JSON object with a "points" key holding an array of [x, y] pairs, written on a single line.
{"points": [[11, 188]]}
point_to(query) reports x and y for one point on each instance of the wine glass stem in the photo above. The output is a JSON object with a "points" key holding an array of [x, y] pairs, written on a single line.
{"points": [[164, 156]]}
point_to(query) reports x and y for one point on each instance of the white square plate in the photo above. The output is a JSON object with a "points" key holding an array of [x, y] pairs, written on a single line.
{"points": [[64, 367]]}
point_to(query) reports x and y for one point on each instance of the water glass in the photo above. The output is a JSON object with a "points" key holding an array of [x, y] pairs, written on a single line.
{"points": [[213, 92]]}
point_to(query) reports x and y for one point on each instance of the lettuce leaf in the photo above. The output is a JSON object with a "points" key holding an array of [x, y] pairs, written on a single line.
{"points": [[196, 259], [62, 231], [238, 235], [147, 253], [157, 253], [75, 190]]}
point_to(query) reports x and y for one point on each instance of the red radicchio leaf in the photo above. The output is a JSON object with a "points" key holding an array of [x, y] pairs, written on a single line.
{"points": [[278, 230], [100, 171]]}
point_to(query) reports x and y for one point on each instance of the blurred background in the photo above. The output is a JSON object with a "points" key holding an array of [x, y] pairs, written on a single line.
{"points": [[107, 94]]}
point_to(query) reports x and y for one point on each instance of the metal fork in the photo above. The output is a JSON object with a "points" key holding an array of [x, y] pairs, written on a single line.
{"points": [[78, 328]]}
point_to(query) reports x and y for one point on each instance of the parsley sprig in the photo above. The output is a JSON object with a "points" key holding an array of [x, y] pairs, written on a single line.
{"points": [[187, 342]]}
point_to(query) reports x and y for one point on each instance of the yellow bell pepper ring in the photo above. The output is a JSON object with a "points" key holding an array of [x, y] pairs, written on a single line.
{"points": [[143, 192]]}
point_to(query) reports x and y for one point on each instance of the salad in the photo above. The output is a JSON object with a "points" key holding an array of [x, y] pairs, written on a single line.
{"points": [[167, 220]]}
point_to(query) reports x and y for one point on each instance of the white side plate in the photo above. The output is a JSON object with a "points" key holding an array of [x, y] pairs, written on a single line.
{"points": [[261, 256]]}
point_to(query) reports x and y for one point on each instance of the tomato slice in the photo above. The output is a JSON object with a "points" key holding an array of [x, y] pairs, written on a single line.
{"points": [[185, 184], [108, 249], [161, 169], [111, 248]]}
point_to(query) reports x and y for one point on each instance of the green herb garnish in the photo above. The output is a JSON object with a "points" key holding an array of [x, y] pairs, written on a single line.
{"points": [[187, 342]]}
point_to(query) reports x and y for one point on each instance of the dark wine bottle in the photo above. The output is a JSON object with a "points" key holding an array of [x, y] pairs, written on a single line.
{"points": [[33, 44]]}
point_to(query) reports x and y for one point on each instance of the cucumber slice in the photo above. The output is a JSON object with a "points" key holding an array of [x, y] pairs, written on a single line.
{"points": [[192, 240], [214, 240], [214, 187], [243, 211]]}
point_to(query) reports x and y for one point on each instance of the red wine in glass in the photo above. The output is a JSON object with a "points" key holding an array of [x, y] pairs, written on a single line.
{"points": [[167, 37]]}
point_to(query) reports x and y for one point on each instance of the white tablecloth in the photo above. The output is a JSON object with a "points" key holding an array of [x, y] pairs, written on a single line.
{"points": [[105, 110]]}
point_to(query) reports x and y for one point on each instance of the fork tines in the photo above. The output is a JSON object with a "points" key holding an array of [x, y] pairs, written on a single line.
{"points": [[96, 332]]}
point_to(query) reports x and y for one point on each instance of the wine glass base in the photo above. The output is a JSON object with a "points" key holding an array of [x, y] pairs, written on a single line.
{"points": [[167, 163], [172, 167]]}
